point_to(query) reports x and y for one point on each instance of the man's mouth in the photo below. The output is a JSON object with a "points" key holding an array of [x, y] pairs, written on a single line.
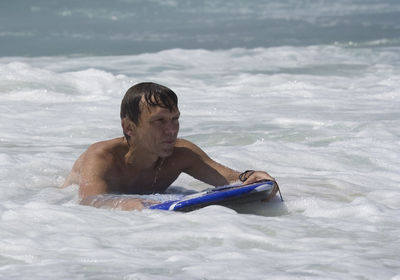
{"points": [[169, 142]]}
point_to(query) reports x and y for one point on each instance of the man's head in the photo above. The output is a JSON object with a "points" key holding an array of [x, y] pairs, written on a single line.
{"points": [[146, 95], [153, 95]]}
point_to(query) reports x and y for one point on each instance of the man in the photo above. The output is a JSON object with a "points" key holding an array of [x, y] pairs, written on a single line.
{"points": [[149, 157]]}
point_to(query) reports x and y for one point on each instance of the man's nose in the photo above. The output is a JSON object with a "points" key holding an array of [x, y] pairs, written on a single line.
{"points": [[171, 127]]}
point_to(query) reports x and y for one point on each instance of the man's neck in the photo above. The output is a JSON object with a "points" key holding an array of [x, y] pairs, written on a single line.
{"points": [[140, 158]]}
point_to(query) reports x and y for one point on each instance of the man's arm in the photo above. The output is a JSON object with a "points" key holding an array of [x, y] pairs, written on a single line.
{"points": [[111, 201], [93, 186], [203, 168]]}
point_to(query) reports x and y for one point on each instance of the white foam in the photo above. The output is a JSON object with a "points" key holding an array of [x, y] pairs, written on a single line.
{"points": [[327, 129]]}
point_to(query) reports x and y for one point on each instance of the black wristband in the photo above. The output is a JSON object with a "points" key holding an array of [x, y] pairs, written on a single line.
{"points": [[245, 175]]}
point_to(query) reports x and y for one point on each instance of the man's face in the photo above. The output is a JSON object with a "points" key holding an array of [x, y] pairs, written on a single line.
{"points": [[157, 129]]}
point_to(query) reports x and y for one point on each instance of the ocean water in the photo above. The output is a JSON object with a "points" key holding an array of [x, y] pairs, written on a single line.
{"points": [[306, 90]]}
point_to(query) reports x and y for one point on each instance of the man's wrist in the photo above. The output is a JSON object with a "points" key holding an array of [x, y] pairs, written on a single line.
{"points": [[245, 175]]}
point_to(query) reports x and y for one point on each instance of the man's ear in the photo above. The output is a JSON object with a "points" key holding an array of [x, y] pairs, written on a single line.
{"points": [[128, 127]]}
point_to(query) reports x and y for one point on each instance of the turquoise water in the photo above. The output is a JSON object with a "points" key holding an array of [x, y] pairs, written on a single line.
{"points": [[124, 27]]}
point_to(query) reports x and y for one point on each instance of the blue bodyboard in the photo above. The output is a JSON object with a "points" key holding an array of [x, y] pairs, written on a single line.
{"points": [[225, 195]]}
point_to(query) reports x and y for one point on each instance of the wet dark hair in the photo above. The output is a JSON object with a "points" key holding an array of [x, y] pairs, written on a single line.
{"points": [[154, 95]]}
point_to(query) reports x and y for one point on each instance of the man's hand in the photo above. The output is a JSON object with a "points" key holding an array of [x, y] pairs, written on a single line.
{"points": [[254, 176]]}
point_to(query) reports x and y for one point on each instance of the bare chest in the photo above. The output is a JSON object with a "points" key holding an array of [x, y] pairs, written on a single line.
{"points": [[156, 180]]}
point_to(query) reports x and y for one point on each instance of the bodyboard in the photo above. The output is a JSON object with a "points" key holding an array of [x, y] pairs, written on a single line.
{"points": [[225, 195]]}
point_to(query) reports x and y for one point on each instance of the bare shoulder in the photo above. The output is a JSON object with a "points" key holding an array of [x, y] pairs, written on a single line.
{"points": [[195, 162], [96, 158], [188, 152], [188, 149], [183, 143], [105, 146], [104, 149], [101, 154]]}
